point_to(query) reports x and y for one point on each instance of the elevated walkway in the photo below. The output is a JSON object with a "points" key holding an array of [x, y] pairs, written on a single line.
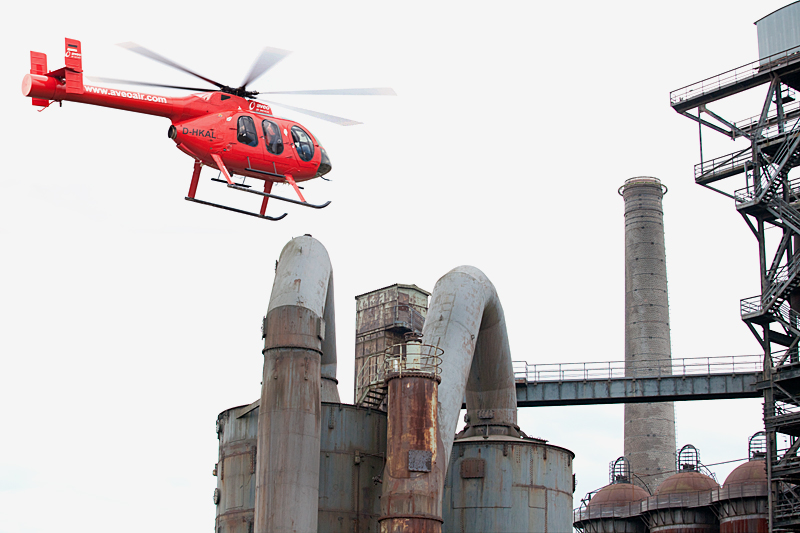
{"points": [[704, 378], [784, 64]]}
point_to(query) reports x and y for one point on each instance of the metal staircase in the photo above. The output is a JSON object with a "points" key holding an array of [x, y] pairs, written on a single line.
{"points": [[371, 380], [770, 201]]}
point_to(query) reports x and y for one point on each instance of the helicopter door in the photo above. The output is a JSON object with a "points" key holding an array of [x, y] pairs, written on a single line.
{"points": [[304, 149], [247, 143], [278, 155]]}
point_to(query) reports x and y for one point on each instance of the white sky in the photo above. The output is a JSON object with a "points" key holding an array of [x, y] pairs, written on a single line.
{"points": [[130, 318]]}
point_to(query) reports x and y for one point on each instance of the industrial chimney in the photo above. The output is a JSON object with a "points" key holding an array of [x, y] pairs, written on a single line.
{"points": [[649, 427]]}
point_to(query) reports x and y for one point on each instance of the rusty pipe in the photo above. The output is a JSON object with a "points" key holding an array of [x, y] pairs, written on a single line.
{"points": [[411, 499], [299, 360]]}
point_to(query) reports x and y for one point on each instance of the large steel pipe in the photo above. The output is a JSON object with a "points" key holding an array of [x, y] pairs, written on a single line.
{"points": [[299, 359], [466, 320]]}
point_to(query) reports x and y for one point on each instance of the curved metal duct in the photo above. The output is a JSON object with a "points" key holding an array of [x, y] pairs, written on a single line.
{"points": [[299, 373], [466, 320]]}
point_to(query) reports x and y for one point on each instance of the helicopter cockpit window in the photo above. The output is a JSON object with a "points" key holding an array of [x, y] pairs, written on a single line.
{"points": [[272, 135], [303, 143], [246, 131]]}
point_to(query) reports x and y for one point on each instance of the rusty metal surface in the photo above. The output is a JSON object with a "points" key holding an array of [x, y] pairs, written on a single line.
{"points": [[235, 470], [412, 426], [383, 317], [352, 456], [745, 525], [287, 483], [411, 523], [526, 486], [299, 347], [618, 493], [394, 306], [683, 520], [686, 482], [304, 278], [751, 472]]}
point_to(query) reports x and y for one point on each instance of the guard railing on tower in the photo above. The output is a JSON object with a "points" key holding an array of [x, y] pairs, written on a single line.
{"points": [[407, 358]]}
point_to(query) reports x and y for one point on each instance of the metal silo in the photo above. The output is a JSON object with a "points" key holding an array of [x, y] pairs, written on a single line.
{"points": [[235, 495], [685, 501], [616, 508], [508, 484], [351, 462], [743, 499], [649, 427], [351, 459]]}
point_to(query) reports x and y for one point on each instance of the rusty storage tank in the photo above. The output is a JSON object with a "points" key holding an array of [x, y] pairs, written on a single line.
{"points": [[352, 451], [616, 508], [743, 499], [235, 495], [352, 455], [503, 484], [685, 501]]}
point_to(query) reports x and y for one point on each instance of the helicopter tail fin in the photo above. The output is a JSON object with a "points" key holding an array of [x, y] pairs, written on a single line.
{"points": [[71, 73], [39, 66], [73, 66]]}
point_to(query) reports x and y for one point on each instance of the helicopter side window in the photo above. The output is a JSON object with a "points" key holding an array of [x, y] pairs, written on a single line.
{"points": [[272, 134], [246, 131], [303, 143]]}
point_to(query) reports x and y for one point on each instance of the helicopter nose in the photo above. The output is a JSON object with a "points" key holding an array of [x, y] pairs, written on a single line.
{"points": [[324, 164]]}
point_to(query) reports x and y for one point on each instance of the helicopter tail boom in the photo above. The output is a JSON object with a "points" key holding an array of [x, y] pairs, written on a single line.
{"points": [[66, 84]]}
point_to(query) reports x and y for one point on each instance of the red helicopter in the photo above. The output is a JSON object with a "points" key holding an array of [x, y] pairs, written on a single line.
{"points": [[224, 128]]}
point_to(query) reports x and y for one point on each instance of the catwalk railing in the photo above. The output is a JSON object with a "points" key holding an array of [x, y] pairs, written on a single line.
{"points": [[533, 373], [734, 76]]}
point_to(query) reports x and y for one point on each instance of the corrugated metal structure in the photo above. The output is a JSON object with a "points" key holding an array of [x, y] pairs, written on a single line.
{"points": [[235, 495], [503, 483], [649, 428], [383, 318], [779, 31], [351, 461]]}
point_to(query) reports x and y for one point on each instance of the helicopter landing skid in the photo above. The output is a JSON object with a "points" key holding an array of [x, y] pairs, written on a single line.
{"points": [[228, 208], [282, 198]]}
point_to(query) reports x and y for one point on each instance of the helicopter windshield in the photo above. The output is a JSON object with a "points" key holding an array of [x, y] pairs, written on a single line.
{"points": [[246, 131], [303, 143], [272, 135]]}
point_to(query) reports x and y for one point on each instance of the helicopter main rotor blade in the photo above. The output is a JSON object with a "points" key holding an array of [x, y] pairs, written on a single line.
{"points": [[268, 58], [148, 84], [371, 91], [141, 50], [316, 114]]}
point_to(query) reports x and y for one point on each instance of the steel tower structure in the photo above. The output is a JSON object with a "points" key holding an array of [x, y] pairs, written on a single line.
{"points": [[769, 200]]}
